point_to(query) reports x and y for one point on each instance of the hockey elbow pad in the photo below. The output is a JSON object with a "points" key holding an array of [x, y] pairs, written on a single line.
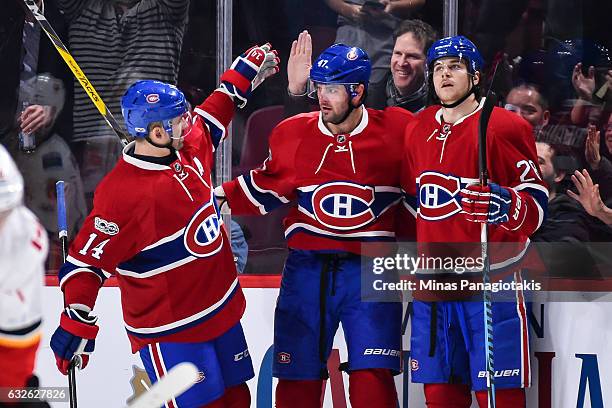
{"points": [[75, 337], [248, 71]]}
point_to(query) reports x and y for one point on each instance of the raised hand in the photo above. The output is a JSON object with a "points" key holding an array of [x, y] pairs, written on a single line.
{"points": [[588, 194], [583, 85], [591, 148], [299, 64]]}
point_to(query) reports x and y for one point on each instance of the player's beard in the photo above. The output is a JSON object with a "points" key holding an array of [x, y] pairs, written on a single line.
{"points": [[336, 118]]}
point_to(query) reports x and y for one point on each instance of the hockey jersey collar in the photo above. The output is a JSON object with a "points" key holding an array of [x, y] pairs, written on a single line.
{"points": [[141, 164], [438, 115], [360, 127]]}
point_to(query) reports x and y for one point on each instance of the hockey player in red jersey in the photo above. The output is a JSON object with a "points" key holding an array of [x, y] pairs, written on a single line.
{"points": [[155, 227], [23, 250], [342, 167], [441, 183]]}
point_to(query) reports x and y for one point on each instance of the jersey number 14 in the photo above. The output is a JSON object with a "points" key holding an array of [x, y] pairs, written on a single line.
{"points": [[96, 251]]}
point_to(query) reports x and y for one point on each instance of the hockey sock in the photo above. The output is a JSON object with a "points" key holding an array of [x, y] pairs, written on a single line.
{"points": [[506, 398], [237, 396], [299, 393], [448, 396], [373, 387]]}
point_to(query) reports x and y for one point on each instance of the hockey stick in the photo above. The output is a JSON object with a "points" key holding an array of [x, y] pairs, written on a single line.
{"points": [[178, 380], [63, 237], [485, 115], [76, 70]]}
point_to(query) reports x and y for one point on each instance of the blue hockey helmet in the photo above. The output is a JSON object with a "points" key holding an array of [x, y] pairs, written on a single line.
{"points": [[341, 64], [457, 46], [149, 101]]}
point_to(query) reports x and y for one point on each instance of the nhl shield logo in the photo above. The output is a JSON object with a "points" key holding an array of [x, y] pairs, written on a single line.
{"points": [[341, 138], [177, 167]]}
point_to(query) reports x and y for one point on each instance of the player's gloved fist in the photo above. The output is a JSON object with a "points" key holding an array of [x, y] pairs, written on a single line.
{"points": [[248, 71], [493, 204], [75, 336]]}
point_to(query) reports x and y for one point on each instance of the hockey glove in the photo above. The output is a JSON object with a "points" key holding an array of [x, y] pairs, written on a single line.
{"points": [[248, 71], [75, 336], [493, 204]]}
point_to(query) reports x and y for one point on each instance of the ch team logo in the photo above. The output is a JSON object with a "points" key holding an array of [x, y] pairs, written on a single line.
{"points": [[152, 98], [202, 236], [351, 55], [283, 357], [343, 205], [438, 195]]}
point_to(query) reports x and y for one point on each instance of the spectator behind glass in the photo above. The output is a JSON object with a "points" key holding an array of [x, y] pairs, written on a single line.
{"points": [[527, 100], [117, 42], [588, 195], [566, 221], [369, 25], [405, 85], [608, 138], [51, 161], [26, 51]]}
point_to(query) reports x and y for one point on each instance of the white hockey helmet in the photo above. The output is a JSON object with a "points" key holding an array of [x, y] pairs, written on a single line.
{"points": [[45, 89], [11, 182]]}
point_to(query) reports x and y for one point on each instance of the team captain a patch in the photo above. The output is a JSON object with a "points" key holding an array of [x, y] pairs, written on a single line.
{"points": [[202, 236]]}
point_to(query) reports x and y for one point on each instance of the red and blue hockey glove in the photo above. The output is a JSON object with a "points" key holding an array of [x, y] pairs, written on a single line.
{"points": [[75, 336], [248, 71], [493, 204]]}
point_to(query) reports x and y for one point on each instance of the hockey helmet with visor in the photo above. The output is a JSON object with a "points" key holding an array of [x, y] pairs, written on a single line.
{"points": [[340, 65]]}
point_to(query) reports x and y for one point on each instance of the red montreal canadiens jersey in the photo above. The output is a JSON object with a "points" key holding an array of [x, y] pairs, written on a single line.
{"points": [[156, 228], [441, 159], [346, 186]]}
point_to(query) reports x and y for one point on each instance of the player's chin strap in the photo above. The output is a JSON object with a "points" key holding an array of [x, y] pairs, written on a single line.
{"points": [[464, 97]]}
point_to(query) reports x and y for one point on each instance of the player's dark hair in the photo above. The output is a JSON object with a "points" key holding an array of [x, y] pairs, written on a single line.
{"points": [[422, 31]]}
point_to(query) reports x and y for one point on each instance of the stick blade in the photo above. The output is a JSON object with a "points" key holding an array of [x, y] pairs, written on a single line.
{"points": [[178, 380]]}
